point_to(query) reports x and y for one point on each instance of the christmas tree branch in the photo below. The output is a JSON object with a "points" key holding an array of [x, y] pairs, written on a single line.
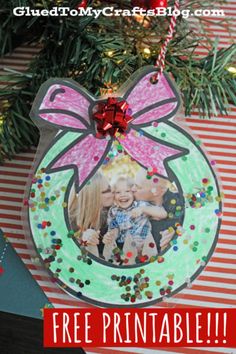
{"points": [[100, 54]]}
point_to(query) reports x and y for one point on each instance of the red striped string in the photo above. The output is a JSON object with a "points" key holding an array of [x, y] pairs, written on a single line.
{"points": [[160, 62]]}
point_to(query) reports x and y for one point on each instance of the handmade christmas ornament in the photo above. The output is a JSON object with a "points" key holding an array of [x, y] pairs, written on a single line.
{"points": [[138, 119]]}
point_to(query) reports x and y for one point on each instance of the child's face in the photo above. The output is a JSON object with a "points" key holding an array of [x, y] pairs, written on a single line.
{"points": [[124, 197]]}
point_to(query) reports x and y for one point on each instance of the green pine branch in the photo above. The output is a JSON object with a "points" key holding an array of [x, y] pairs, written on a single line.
{"points": [[101, 54]]}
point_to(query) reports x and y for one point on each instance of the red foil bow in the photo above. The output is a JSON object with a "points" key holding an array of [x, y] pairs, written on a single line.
{"points": [[112, 117]]}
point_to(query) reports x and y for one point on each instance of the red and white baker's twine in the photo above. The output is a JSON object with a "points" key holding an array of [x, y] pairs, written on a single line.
{"points": [[160, 63]]}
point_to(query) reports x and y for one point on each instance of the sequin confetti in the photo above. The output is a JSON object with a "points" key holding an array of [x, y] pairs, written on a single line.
{"points": [[135, 287], [166, 289], [84, 256], [202, 197], [42, 200]]}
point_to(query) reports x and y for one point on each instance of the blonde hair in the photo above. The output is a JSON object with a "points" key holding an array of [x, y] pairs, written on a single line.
{"points": [[125, 179], [164, 183], [85, 208]]}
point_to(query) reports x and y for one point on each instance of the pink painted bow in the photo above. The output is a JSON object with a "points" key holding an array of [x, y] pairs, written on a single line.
{"points": [[67, 106]]}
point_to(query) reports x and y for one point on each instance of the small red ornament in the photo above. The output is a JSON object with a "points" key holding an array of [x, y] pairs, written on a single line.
{"points": [[82, 5], [149, 4], [157, 3], [112, 117]]}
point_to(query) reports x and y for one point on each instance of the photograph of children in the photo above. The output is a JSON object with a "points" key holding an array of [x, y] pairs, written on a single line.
{"points": [[124, 214], [129, 223]]}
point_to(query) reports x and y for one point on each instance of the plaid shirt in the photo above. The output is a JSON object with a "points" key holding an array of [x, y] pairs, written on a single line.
{"points": [[121, 219]]}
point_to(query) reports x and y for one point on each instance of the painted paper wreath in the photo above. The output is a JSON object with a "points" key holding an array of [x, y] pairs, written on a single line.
{"points": [[87, 134]]}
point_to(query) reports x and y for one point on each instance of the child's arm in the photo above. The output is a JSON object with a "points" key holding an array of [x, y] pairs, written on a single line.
{"points": [[91, 237], [110, 236], [155, 212], [113, 228]]}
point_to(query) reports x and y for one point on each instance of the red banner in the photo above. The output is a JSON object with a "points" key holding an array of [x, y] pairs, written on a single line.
{"points": [[139, 327]]}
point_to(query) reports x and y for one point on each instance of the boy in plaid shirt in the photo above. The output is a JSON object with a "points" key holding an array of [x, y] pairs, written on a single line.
{"points": [[128, 220]]}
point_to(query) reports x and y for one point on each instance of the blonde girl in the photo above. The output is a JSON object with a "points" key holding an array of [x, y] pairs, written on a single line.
{"points": [[88, 211]]}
